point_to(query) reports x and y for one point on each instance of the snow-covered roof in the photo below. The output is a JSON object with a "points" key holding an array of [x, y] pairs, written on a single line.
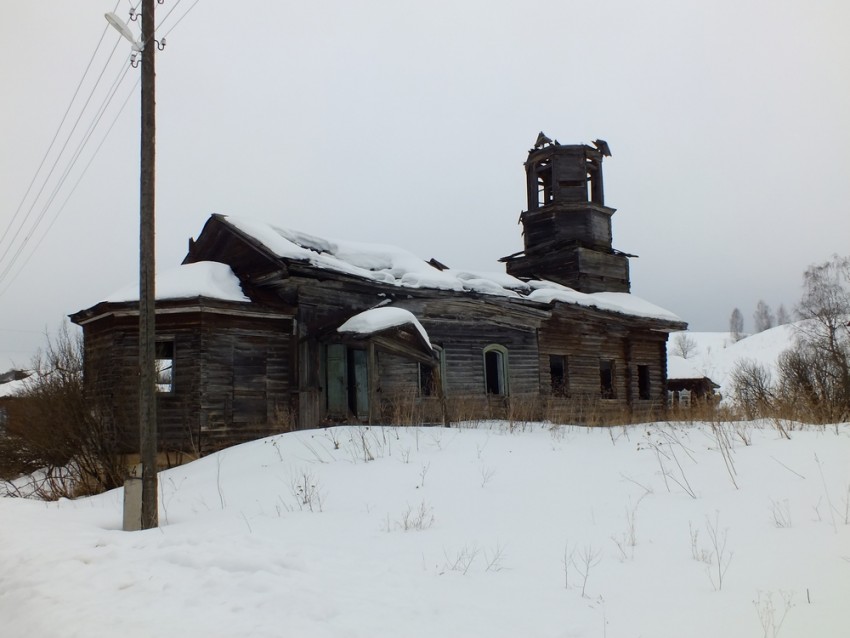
{"points": [[376, 319], [202, 279], [398, 267]]}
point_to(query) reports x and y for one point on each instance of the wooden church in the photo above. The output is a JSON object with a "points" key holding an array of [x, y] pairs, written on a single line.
{"points": [[264, 329]]}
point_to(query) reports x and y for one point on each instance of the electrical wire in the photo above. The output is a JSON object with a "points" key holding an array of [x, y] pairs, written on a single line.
{"points": [[4, 274], [77, 152], [56, 134], [179, 20], [49, 175], [73, 188]]}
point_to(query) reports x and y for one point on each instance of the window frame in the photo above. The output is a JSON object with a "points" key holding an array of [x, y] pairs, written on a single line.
{"points": [[168, 343], [503, 370]]}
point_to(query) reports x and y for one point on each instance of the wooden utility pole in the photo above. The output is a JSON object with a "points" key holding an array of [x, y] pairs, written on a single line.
{"points": [[147, 293]]}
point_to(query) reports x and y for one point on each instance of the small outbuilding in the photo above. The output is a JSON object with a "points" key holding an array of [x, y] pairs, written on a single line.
{"points": [[687, 385]]}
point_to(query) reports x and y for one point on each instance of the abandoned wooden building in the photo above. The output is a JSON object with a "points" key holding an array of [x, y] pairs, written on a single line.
{"points": [[264, 329]]}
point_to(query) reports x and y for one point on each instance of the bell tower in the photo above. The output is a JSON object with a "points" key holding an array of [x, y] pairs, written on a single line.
{"points": [[567, 226]]}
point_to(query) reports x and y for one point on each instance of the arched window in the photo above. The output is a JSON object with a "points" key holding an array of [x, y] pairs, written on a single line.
{"points": [[496, 370]]}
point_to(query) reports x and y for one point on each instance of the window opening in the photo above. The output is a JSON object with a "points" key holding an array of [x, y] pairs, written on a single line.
{"points": [[606, 378], [427, 378], [496, 370], [558, 375], [544, 182], [643, 382], [164, 362]]}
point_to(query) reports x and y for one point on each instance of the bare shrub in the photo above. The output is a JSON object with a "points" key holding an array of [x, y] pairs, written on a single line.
{"points": [[57, 431], [753, 389]]}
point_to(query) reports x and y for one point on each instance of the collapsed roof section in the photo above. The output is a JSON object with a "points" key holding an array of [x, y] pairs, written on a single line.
{"points": [[285, 252]]}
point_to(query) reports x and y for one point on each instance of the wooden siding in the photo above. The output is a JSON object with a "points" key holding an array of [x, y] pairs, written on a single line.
{"points": [[585, 339], [230, 379]]}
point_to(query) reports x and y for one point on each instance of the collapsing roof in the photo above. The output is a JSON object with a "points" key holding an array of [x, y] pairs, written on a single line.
{"points": [[396, 267]]}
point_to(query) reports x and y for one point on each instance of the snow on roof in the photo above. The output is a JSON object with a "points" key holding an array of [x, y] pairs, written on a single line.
{"points": [[202, 279], [377, 319], [395, 266], [621, 302]]}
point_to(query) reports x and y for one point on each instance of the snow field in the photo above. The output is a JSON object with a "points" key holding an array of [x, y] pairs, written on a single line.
{"points": [[469, 531]]}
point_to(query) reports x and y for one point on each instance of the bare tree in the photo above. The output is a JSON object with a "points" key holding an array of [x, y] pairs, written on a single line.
{"points": [[736, 325], [763, 317], [684, 346], [813, 376], [782, 316], [818, 368]]}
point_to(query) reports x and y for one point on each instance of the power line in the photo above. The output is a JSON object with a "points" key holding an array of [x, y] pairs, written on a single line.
{"points": [[64, 175], [59, 128], [33, 229], [73, 190], [58, 158]]}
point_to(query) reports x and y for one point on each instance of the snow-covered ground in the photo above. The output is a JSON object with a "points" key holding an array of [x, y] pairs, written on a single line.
{"points": [[484, 531]]}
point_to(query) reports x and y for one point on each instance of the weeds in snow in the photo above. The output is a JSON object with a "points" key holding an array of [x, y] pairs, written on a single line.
{"points": [[422, 473], [567, 562], [417, 519], [587, 559], [678, 475], [721, 557], [697, 553], [494, 560], [460, 561], [826, 493], [724, 444], [487, 473], [767, 611], [781, 512], [627, 541], [306, 491]]}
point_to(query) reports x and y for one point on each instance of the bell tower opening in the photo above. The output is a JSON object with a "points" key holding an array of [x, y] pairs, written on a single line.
{"points": [[567, 226]]}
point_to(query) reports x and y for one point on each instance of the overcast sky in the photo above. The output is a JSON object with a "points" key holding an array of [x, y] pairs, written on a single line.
{"points": [[407, 123]]}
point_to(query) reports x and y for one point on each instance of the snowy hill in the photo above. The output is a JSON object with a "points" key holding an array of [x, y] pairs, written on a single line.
{"points": [[716, 354], [491, 531]]}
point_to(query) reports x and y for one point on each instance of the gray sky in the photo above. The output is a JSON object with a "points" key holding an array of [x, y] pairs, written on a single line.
{"points": [[407, 123]]}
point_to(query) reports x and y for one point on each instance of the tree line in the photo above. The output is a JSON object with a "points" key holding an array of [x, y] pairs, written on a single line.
{"points": [[763, 319]]}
